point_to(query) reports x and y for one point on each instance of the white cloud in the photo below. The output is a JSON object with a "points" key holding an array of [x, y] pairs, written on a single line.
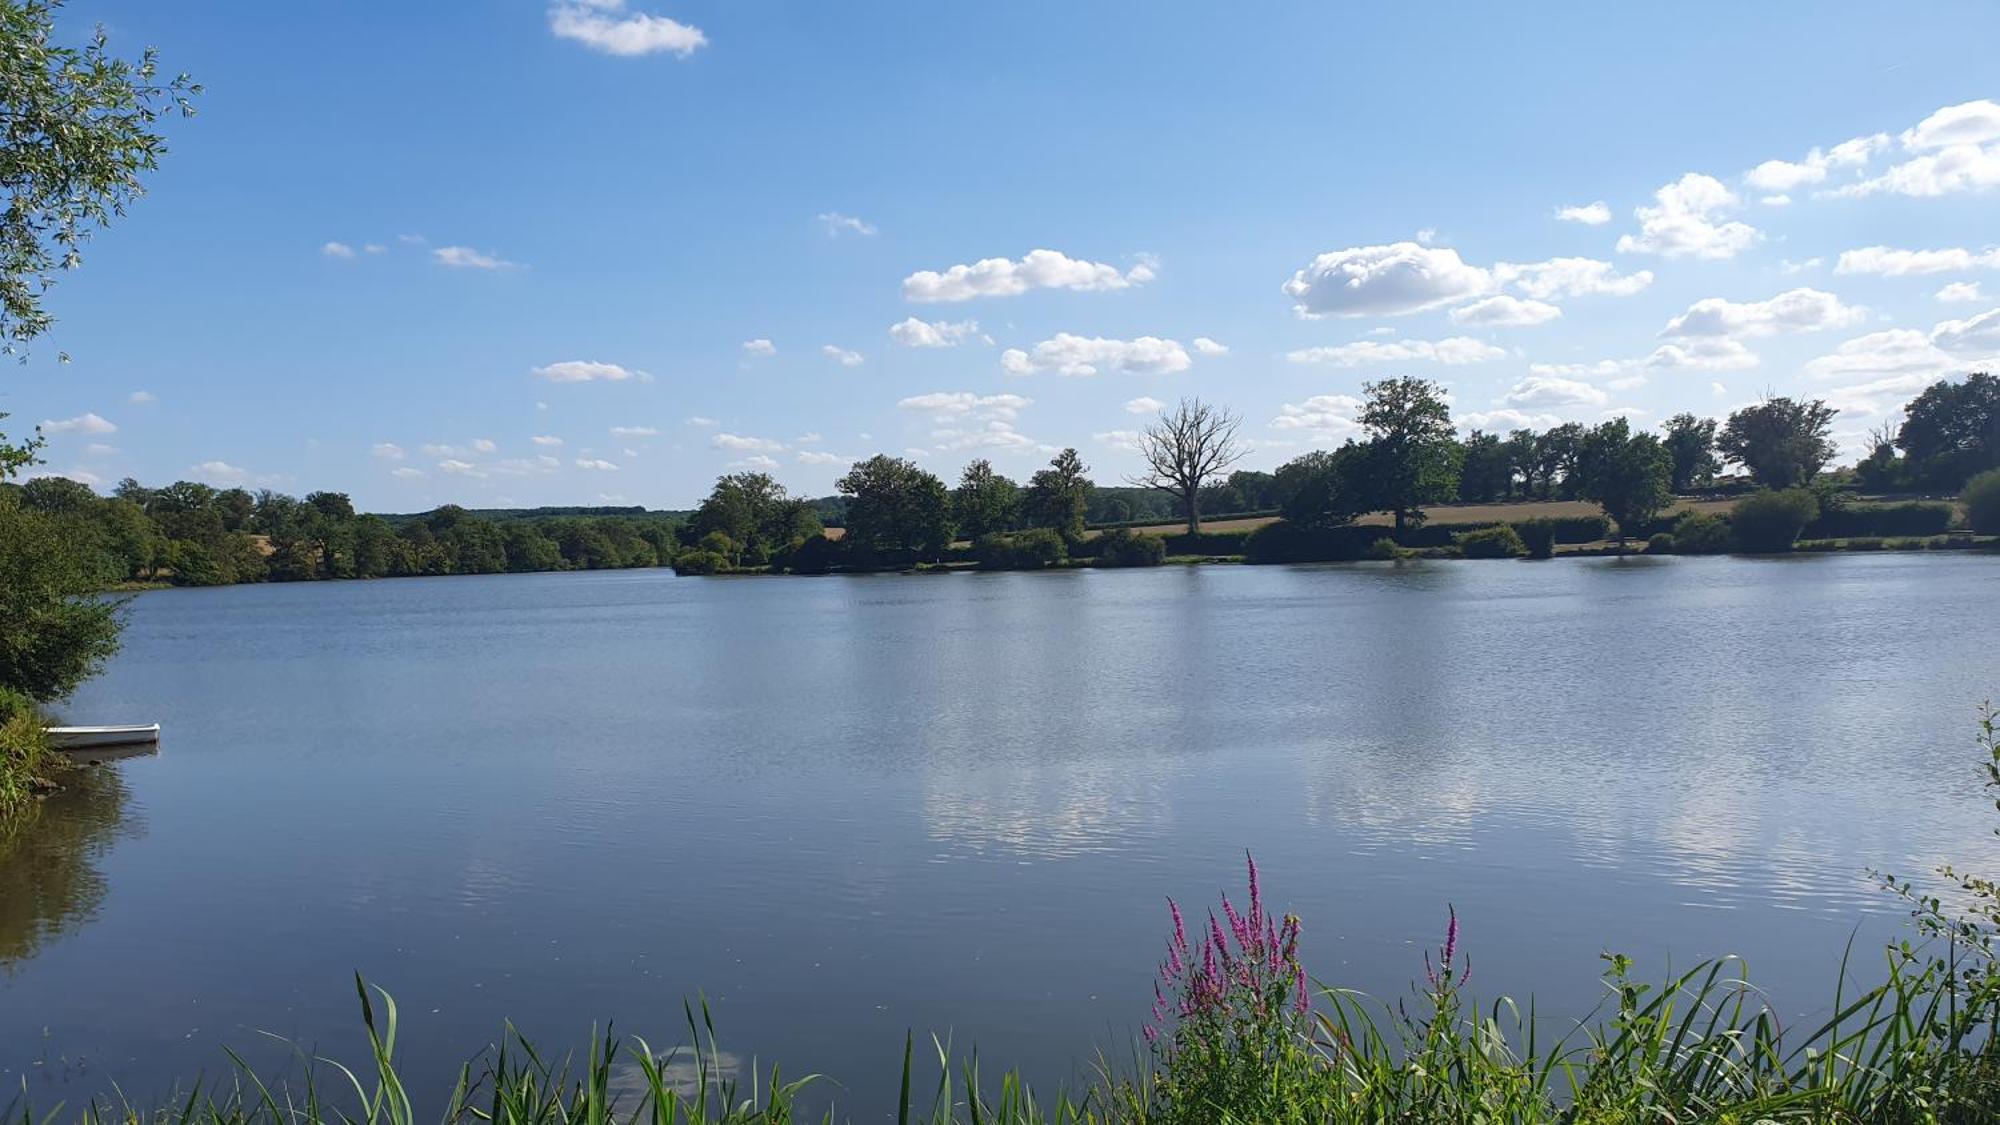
{"points": [[99, 449], [1959, 292], [1795, 310], [1704, 353], [1069, 354], [1331, 416], [1956, 152], [760, 348], [1507, 418], [1505, 312], [1127, 440], [1782, 176], [748, 444], [1589, 214], [837, 224], [1890, 262], [1683, 222], [1897, 351], [810, 437], [1548, 391], [1603, 368], [841, 356], [484, 445], [388, 451], [466, 258], [1002, 277], [634, 431], [337, 250], [460, 467], [1780, 200], [821, 457], [1403, 277], [220, 472], [596, 465], [914, 333], [965, 404], [1452, 352], [587, 371], [141, 398], [1787, 266], [546, 441], [1878, 396], [81, 424], [605, 26], [1145, 404], [1977, 337], [1570, 277], [405, 472], [1204, 346], [80, 476], [996, 434], [756, 461], [699, 421]]}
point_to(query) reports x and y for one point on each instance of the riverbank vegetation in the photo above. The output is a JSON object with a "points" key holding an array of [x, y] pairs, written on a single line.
{"points": [[1239, 1031]]}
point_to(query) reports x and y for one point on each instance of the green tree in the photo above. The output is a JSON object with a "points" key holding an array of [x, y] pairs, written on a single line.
{"points": [[754, 511], [984, 501], [1524, 454], [1413, 453], [81, 129], [893, 505], [1629, 475], [58, 496], [1690, 441], [1059, 496], [1327, 488], [1487, 470], [1982, 502], [55, 629], [1952, 430], [1555, 459], [1781, 442]]}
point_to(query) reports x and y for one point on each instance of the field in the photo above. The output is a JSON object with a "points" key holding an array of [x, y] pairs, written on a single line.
{"points": [[1503, 512]]}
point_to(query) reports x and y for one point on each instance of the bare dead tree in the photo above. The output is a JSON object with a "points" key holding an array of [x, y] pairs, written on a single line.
{"points": [[1186, 449]]}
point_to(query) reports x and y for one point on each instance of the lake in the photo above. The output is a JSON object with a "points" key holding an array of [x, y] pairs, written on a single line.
{"points": [[845, 807]]}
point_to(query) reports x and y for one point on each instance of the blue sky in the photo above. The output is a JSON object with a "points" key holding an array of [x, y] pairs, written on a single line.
{"points": [[520, 253]]}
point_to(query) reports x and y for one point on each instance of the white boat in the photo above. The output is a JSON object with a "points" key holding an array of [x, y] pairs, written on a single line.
{"points": [[95, 738]]}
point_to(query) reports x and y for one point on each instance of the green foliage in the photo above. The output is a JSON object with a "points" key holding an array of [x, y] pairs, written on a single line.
{"points": [[55, 631], [1771, 520], [1849, 520], [1783, 443], [1952, 431], [1538, 537], [1498, 542], [1327, 489], [1487, 468], [1412, 451], [1702, 533], [701, 562], [984, 501], [755, 514], [892, 505], [1660, 543], [1628, 475], [1120, 547], [1690, 443], [1059, 496], [26, 762], [1384, 550], [817, 555], [1982, 502], [1034, 549], [82, 128]]}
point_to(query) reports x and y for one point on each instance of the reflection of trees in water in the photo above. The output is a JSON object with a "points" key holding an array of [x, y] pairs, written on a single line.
{"points": [[49, 881]]}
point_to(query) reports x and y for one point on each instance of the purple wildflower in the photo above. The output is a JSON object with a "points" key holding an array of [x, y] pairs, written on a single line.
{"points": [[1256, 893]]}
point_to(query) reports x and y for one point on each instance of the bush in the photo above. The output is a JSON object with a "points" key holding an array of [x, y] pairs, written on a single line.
{"points": [[25, 758], [1501, 542], [1771, 520], [1027, 550], [1288, 542], [700, 562], [1210, 543], [817, 555], [1701, 533], [1661, 543], [1538, 536], [1120, 547], [1982, 502], [1384, 550], [1856, 520]]}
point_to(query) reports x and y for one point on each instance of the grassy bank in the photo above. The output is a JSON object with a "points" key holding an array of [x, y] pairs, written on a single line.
{"points": [[28, 766]]}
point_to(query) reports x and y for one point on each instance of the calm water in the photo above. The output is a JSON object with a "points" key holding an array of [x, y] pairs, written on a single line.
{"points": [[845, 807]]}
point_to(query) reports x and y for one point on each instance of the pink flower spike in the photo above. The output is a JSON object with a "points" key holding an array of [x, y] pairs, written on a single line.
{"points": [[1256, 893]]}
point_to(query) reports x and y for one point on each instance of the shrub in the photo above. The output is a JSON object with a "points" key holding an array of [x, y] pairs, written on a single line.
{"points": [[1661, 543], [1027, 550], [1982, 502], [817, 555], [1701, 533], [1120, 547], [1538, 536], [1501, 542], [1287, 541], [1209, 543], [700, 562], [1771, 520], [1854, 520], [1384, 550], [25, 758]]}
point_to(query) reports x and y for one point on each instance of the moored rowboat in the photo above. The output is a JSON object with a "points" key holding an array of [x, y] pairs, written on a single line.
{"points": [[91, 738]]}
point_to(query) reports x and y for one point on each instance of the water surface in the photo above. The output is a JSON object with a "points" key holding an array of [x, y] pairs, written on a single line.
{"points": [[846, 807]]}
